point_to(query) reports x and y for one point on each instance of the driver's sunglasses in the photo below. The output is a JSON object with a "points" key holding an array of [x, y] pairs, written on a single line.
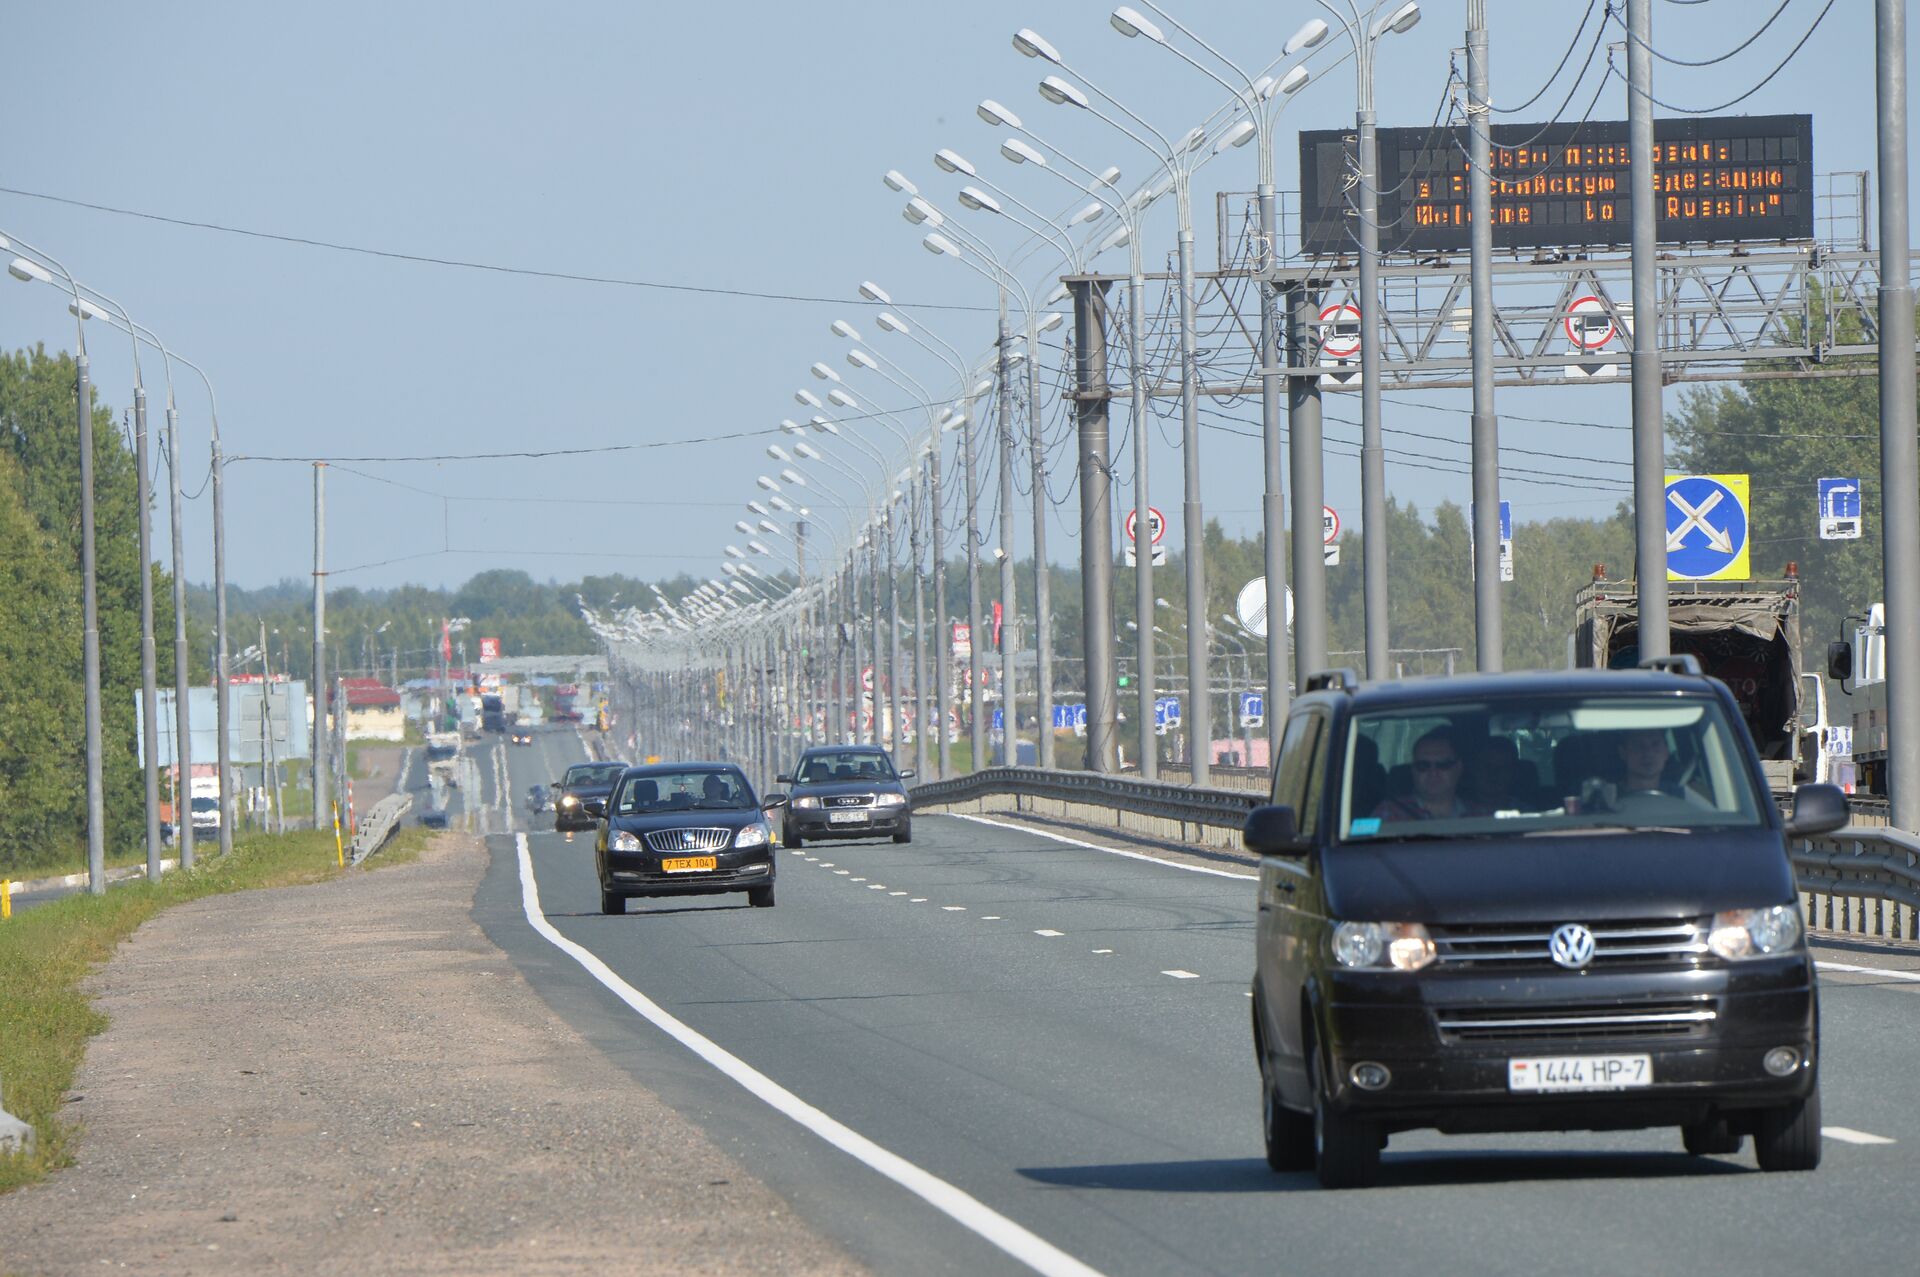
{"points": [[1434, 765]]}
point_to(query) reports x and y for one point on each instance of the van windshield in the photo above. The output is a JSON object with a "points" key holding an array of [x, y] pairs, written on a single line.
{"points": [[1547, 764]]}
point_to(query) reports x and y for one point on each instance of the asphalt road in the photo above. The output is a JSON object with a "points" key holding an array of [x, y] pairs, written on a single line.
{"points": [[1062, 1034]]}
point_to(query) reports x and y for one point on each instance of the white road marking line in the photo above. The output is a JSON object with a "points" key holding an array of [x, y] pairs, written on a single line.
{"points": [[837, 872], [857, 880], [954, 908], [826, 864], [1091, 846], [991, 917], [1045, 932], [896, 893], [1847, 1135], [798, 851], [1029, 1248], [876, 886], [918, 900], [1912, 977], [1178, 974], [1103, 951]]}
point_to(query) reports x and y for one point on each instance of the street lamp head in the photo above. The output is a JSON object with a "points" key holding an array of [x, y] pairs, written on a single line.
{"points": [[874, 293], [759, 547], [1087, 214], [780, 503], [842, 398], [755, 507], [1292, 82], [768, 525], [794, 477], [29, 272], [918, 211], [767, 484], [1032, 44], [897, 181], [1115, 237], [741, 525], [1310, 34], [948, 160], [995, 114], [824, 372], [1108, 176], [1400, 21], [1129, 23], [1059, 294], [1196, 138], [861, 359], [1050, 321], [978, 200], [1060, 93], [778, 453], [1020, 153], [735, 552], [890, 322], [791, 426], [86, 309], [824, 426], [1238, 135], [807, 398], [939, 245], [841, 328], [982, 386]]}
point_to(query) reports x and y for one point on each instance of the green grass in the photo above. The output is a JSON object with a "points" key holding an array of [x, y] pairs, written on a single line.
{"points": [[45, 953]]}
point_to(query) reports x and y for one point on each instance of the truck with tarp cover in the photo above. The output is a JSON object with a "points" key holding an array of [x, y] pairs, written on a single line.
{"points": [[1744, 633]]}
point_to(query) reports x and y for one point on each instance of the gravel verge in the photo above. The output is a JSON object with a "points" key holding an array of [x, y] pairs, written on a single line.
{"points": [[350, 1078]]}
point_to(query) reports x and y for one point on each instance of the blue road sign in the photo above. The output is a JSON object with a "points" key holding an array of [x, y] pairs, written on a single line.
{"points": [[1252, 705], [1707, 527], [1063, 716], [1079, 715], [1839, 498], [1167, 710], [999, 720], [1506, 520]]}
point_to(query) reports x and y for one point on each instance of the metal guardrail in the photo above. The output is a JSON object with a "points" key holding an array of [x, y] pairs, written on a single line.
{"points": [[378, 825], [1838, 873]]}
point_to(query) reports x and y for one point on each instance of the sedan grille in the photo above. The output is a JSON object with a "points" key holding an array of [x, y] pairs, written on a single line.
{"points": [[1581, 1022], [671, 840], [850, 800], [1525, 945]]}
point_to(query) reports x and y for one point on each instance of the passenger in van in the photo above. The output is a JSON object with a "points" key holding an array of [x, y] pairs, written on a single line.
{"points": [[1437, 766], [1499, 780], [1643, 756]]}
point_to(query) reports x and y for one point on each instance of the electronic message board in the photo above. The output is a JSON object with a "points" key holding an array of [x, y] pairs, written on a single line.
{"points": [[1717, 179]]}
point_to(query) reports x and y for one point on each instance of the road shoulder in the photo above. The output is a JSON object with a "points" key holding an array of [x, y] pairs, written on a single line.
{"points": [[351, 1077]]}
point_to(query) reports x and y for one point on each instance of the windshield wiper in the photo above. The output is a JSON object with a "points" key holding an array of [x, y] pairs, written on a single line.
{"points": [[1572, 831]]}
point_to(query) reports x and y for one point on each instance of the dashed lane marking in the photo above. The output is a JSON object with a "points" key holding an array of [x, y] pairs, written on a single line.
{"points": [[991, 917], [1847, 1135], [1911, 977], [1094, 846], [839, 872], [1045, 932], [954, 908], [918, 900], [858, 880], [1028, 1247], [1103, 951], [1178, 974], [896, 893], [876, 886]]}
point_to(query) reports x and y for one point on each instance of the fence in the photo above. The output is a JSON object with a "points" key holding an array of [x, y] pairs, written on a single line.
{"points": [[1862, 880]]}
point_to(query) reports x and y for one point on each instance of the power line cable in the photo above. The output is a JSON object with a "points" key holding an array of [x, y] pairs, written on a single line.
{"points": [[1767, 79]]}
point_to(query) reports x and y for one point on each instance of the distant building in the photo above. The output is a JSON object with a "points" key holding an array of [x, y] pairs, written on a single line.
{"points": [[373, 710]]}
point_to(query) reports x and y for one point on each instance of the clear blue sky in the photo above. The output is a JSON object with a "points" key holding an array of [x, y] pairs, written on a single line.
{"points": [[730, 145]]}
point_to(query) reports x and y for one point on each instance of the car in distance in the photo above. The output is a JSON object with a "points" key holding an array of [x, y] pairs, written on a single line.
{"points": [[675, 829], [845, 791], [580, 796], [521, 736], [204, 813], [1530, 902]]}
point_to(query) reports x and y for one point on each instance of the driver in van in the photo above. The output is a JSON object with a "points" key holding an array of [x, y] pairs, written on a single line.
{"points": [[1643, 757]]}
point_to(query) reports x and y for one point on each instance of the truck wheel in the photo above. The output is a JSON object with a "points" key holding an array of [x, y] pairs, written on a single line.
{"points": [[1788, 1139]]}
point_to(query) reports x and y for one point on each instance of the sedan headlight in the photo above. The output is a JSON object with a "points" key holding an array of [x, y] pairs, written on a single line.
{"points": [[1754, 933], [752, 836], [890, 800], [806, 801], [568, 800], [1399, 946], [623, 841]]}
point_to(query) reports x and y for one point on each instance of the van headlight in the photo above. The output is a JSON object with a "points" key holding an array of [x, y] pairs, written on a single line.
{"points": [[1399, 946], [752, 836], [1754, 933], [623, 841]]}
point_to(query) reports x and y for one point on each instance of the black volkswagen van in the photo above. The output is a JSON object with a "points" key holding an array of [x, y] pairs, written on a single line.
{"points": [[1526, 902]]}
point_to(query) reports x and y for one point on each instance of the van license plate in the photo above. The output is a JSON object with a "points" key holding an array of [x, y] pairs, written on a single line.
{"points": [[1580, 1073], [688, 864]]}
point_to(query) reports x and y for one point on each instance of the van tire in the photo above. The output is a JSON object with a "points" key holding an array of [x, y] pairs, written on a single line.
{"points": [[1289, 1135], [1788, 1138], [1346, 1149]]}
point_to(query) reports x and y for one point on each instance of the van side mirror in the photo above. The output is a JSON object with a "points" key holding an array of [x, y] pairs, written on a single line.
{"points": [[1273, 831], [1817, 809], [1839, 661]]}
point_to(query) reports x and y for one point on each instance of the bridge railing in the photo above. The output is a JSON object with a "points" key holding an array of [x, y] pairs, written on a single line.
{"points": [[1862, 880]]}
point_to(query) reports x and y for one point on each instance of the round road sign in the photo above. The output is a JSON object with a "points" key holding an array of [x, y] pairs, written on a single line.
{"points": [[1251, 607], [1588, 325], [1340, 331], [1329, 525], [1156, 521]]}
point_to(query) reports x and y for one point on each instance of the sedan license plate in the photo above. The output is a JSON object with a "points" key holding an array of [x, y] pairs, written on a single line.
{"points": [[1580, 1073], [846, 818], [688, 864]]}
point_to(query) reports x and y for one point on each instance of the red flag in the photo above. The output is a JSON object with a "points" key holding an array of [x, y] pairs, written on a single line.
{"points": [[446, 642], [996, 623]]}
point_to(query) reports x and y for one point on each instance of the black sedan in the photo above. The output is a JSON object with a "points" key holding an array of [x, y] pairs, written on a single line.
{"points": [[580, 797], [846, 791], [675, 829]]}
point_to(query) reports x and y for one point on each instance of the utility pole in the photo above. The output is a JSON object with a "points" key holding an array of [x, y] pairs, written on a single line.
{"points": [[1486, 427], [322, 777], [978, 705], [1305, 441], [921, 758], [182, 683], [1273, 502], [1373, 456], [222, 689], [90, 638], [1199, 714], [1899, 457], [1009, 703], [942, 631], [1649, 422], [1042, 586], [1096, 520], [149, 692]]}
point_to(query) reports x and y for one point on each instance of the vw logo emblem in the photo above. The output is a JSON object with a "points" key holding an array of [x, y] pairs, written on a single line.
{"points": [[1571, 946]]}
